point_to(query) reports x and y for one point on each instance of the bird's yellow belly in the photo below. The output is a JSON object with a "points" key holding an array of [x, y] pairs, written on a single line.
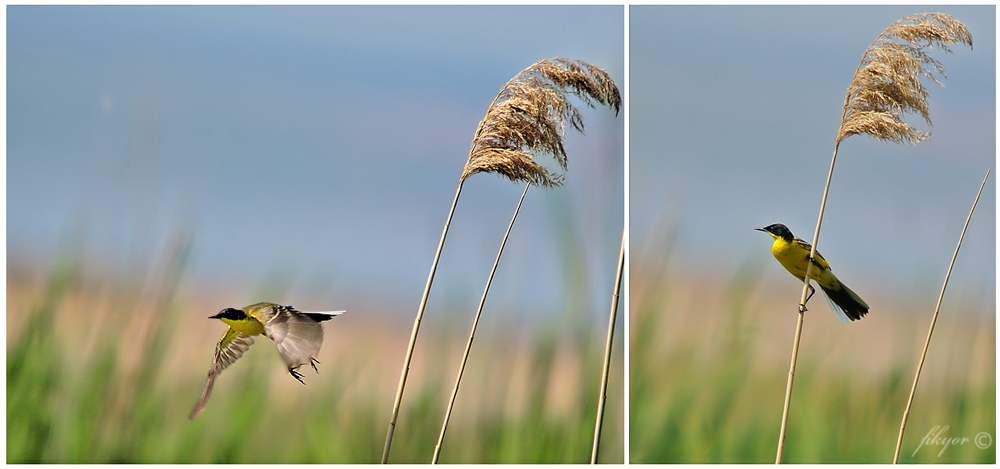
{"points": [[249, 327], [793, 259]]}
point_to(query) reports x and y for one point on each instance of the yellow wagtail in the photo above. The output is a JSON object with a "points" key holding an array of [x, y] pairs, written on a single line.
{"points": [[793, 254], [297, 335]]}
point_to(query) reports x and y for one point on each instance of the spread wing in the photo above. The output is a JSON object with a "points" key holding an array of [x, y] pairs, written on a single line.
{"points": [[297, 335], [229, 349]]}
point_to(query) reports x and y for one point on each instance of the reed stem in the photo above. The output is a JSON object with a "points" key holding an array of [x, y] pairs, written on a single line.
{"points": [[802, 308], [930, 332], [416, 328], [472, 334], [612, 317]]}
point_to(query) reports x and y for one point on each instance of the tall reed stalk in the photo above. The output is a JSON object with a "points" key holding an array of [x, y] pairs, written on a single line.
{"points": [[472, 334], [886, 85], [607, 353], [930, 331], [526, 119], [416, 328]]}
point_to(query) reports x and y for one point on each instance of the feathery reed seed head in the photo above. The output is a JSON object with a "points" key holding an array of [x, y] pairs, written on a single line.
{"points": [[887, 82], [528, 118]]}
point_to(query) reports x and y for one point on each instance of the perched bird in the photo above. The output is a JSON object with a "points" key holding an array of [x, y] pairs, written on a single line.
{"points": [[297, 335], [793, 254]]}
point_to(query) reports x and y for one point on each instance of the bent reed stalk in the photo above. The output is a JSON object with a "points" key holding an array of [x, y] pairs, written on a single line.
{"points": [[612, 317], [526, 118], [472, 334], [930, 331], [886, 85], [416, 328]]}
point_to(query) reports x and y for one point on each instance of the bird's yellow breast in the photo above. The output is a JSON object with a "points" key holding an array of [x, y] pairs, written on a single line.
{"points": [[792, 257], [249, 326]]}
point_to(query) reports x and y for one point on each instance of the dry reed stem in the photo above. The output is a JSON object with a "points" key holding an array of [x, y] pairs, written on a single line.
{"points": [[528, 118], [472, 334], [885, 86], [416, 328], [788, 384], [612, 317], [802, 314], [930, 332]]}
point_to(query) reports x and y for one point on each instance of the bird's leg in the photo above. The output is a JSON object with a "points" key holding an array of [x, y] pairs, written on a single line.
{"points": [[314, 362], [296, 375], [802, 307]]}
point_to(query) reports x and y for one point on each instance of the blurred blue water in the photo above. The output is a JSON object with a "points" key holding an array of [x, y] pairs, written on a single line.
{"points": [[323, 142], [739, 111]]}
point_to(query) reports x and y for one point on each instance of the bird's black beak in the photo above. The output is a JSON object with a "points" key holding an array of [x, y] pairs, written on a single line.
{"points": [[761, 229], [215, 317]]}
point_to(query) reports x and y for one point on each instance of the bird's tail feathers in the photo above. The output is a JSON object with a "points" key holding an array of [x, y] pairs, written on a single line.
{"points": [[320, 316], [846, 304], [837, 310]]}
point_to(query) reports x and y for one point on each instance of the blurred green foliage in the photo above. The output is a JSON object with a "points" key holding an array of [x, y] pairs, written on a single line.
{"points": [[69, 406], [700, 391]]}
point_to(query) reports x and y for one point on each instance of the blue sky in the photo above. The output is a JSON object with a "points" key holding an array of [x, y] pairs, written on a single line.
{"points": [[735, 129], [314, 147]]}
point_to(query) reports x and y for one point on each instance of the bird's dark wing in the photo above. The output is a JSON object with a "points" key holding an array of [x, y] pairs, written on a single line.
{"points": [[229, 349], [818, 261]]}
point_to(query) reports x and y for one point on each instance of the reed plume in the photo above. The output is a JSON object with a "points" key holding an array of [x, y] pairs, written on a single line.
{"points": [[888, 82], [886, 86], [526, 119]]}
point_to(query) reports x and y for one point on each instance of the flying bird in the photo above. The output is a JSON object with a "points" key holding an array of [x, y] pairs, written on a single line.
{"points": [[297, 335]]}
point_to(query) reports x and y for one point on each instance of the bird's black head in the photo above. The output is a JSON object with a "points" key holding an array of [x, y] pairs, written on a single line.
{"points": [[778, 230], [230, 313]]}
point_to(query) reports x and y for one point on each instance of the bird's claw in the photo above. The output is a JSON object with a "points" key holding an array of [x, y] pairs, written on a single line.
{"points": [[295, 373]]}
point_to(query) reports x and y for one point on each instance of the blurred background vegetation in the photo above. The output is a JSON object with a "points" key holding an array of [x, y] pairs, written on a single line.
{"points": [[104, 368], [708, 363]]}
